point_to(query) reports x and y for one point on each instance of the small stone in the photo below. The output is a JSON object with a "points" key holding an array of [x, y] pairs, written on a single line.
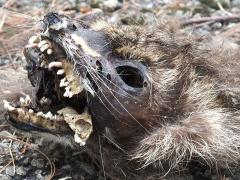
{"points": [[10, 171], [21, 171], [110, 5], [39, 163], [5, 177]]}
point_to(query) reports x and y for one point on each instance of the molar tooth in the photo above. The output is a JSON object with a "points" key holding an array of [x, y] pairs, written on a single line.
{"points": [[63, 82], [60, 72], [44, 47], [49, 115], [49, 51], [7, 106], [42, 43], [33, 39], [55, 64]]}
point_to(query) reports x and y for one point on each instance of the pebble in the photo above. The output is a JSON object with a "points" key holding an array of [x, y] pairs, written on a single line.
{"points": [[21, 171], [39, 163], [10, 171]]}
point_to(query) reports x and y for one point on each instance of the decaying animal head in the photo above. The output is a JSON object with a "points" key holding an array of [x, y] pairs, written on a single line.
{"points": [[154, 96]]}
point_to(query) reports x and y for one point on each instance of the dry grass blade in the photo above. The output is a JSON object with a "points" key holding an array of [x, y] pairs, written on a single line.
{"points": [[52, 166]]}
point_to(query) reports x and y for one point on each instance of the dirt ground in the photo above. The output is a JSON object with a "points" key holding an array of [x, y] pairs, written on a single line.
{"points": [[25, 158]]}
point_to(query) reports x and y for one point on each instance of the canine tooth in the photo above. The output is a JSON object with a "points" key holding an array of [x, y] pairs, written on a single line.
{"points": [[55, 64], [44, 47], [7, 106], [60, 72], [30, 111], [49, 51], [42, 43], [33, 39]]}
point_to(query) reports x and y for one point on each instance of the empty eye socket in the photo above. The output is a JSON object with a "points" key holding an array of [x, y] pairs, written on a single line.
{"points": [[131, 76]]}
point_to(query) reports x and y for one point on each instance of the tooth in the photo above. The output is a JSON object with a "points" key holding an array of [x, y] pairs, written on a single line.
{"points": [[40, 114], [49, 51], [31, 45], [28, 99], [63, 82], [44, 47], [60, 72], [30, 111], [22, 101], [55, 64], [70, 94], [49, 115], [33, 39], [7, 106], [42, 43]]}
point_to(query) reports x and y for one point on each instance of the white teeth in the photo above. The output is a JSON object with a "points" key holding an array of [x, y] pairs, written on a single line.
{"points": [[44, 47], [31, 45], [49, 115], [63, 82], [26, 101], [60, 72], [41, 114], [7, 106], [33, 39], [30, 111], [42, 43], [68, 92], [49, 51], [55, 64], [22, 101]]}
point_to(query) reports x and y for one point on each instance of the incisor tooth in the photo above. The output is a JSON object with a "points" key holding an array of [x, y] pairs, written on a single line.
{"points": [[30, 111], [44, 47], [55, 64], [33, 39], [49, 51], [42, 43], [60, 72]]}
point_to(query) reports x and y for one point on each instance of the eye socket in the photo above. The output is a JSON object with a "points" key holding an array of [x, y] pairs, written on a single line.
{"points": [[131, 76]]}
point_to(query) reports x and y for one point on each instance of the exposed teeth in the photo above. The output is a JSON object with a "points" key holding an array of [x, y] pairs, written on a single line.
{"points": [[33, 39], [42, 43], [49, 51], [26, 101], [44, 47], [68, 92], [30, 111], [63, 82], [31, 45], [41, 114], [49, 115], [60, 72], [7, 106], [55, 64]]}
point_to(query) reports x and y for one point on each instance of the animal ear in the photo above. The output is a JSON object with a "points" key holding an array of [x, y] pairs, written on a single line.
{"points": [[207, 135]]}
